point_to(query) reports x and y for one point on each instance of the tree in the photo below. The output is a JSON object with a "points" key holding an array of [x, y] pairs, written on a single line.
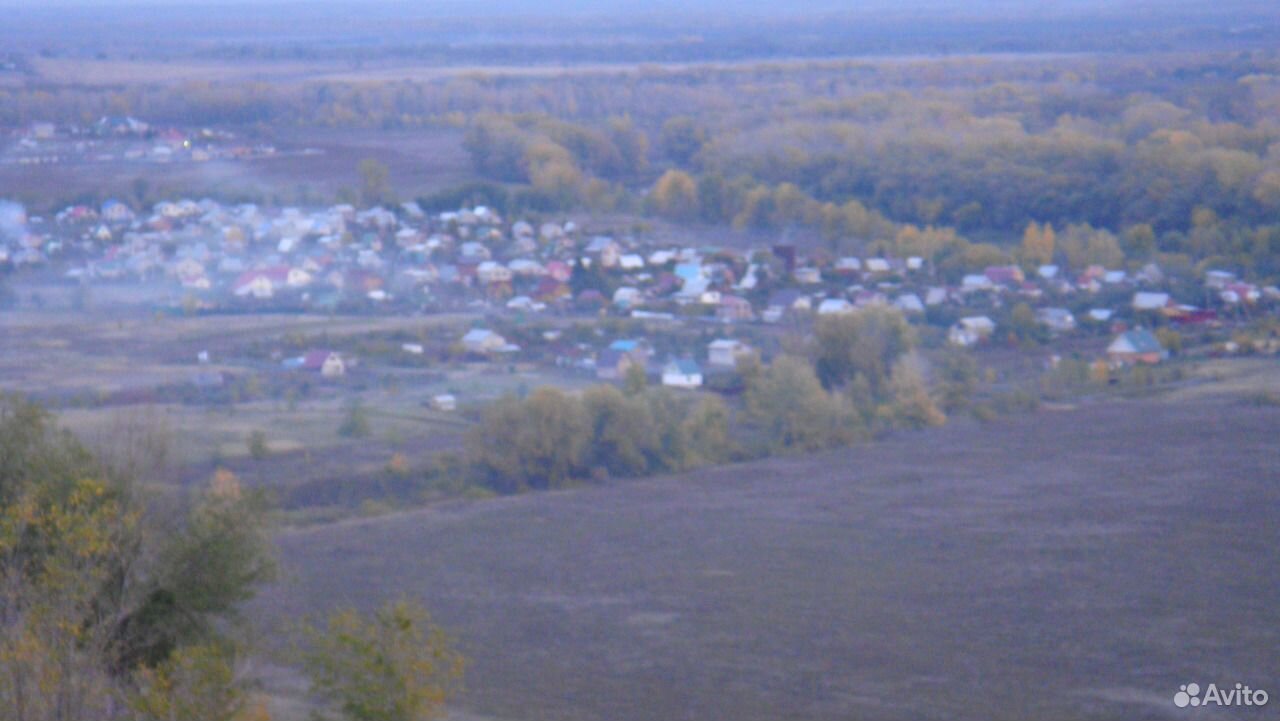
{"points": [[258, 450], [355, 422], [1024, 325], [1038, 244], [395, 665], [1139, 241], [539, 442], [912, 405], [681, 139], [706, 433], [675, 196], [957, 375], [622, 437], [635, 380], [102, 586], [864, 343], [197, 683], [789, 406], [375, 186]]}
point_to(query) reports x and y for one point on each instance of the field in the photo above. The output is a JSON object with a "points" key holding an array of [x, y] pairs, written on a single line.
{"points": [[1072, 564], [311, 167]]}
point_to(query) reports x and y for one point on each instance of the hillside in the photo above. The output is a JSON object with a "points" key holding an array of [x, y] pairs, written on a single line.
{"points": [[1070, 564]]}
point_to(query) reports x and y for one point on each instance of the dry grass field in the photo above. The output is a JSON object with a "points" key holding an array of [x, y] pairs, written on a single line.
{"points": [[1078, 564]]}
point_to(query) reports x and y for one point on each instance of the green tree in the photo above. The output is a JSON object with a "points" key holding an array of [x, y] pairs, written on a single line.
{"points": [[394, 665], [196, 683], [622, 435], [675, 196], [681, 139], [706, 433], [375, 183], [539, 442], [635, 380], [355, 421], [957, 375], [102, 584], [258, 450], [912, 405], [864, 343], [789, 406]]}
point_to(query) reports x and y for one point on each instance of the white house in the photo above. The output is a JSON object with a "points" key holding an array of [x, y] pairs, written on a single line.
{"points": [[683, 373], [725, 352], [1144, 300], [831, 306], [971, 330], [481, 340], [1058, 319]]}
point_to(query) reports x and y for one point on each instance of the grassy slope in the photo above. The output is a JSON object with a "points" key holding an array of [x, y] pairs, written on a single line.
{"points": [[1072, 564]]}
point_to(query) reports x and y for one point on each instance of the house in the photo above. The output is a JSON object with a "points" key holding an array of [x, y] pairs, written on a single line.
{"points": [[113, 211], [261, 283], [1136, 346], [724, 352], [847, 265], [1218, 279], [935, 296], [969, 331], [808, 275], [683, 373], [909, 303], [832, 306], [606, 250], [1058, 319], [627, 296], [613, 364], [480, 340], [638, 349], [1144, 300], [877, 265], [489, 272], [631, 261], [1004, 274], [783, 302], [328, 363], [733, 308]]}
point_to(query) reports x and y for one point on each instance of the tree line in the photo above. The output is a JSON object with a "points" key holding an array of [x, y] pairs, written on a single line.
{"points": [[860, 376]]}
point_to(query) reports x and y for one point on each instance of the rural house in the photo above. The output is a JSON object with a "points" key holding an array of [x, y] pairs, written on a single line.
{"points": [[1136, 346], [969, 331], [328, 363], [683, 373], [724, 353], [482, 341]]}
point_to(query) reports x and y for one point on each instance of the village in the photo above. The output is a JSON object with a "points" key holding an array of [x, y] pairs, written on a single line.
{"points": [[115, 139], [529, 289]]}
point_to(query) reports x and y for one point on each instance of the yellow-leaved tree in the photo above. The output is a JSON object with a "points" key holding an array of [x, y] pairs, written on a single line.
{"points": [[394, 665]]}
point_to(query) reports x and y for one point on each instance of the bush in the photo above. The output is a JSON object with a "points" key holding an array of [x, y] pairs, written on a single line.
{"points": [[355, 424], [392, 666], [258, 450]]}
